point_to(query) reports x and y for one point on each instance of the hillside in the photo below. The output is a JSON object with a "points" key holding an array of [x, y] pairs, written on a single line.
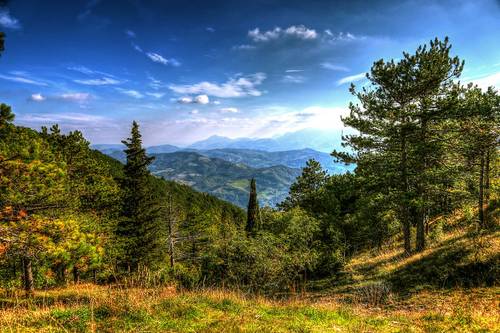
{"points": [[226, 180], [364, 300]]}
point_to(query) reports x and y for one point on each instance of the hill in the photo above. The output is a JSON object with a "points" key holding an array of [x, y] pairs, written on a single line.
{"points": [[226, 180]]}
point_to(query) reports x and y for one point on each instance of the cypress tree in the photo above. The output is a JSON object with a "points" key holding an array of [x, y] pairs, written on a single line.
{"points": [[253, 209], [139, 225]]}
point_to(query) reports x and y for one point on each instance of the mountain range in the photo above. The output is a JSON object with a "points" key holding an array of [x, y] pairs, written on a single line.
{"points": [[222, 166]]}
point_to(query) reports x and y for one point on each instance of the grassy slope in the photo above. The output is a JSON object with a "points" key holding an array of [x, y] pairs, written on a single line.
{"points": [[351, 304]]}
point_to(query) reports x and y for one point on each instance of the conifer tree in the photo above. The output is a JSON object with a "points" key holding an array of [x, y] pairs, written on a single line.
{"points": [[253, 209], [140, 210], [396, 121], [304, 192]]}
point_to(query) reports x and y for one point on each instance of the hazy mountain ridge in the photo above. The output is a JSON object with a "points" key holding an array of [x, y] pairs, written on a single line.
{"points": [[320, 140]]}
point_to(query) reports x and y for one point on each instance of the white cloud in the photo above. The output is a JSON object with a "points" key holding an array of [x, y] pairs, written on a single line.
{"points": [[37, 98], [210, 29], [294, 70], [185, 100], [8, 21], [200, 99], [293, 79], [155, 94], [299, 31], [21, 77], [75, 97], [341, 36], [229, 110], [216, 102], [194, 111], [487, 81], [130, 92], [99, 82], [351, 78], [157, 58], [238, 86], [334, 67]]}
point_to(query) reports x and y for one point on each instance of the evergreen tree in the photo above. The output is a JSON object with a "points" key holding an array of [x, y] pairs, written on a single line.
{"points": [[397, 120], [139, 226], [253, 209], [304, 192]]}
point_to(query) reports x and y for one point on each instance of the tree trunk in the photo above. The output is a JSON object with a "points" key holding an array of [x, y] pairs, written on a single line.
{"points": [[481, 193], [76, 275], [487, 188], [405, 218], [421, 231], [28, 276]]}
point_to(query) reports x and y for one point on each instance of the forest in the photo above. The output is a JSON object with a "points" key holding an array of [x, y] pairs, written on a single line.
{"points": [[425, 148]]}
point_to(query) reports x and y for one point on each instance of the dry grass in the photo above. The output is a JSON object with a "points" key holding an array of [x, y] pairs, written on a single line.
{"points": [[89, 308]]}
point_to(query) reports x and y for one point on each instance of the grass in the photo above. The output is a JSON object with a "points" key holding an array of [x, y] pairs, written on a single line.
{"points": [[90, 308], [379, 291]]}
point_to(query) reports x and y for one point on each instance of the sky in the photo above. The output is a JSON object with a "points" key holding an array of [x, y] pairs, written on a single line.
{"points": [[186, 70]]}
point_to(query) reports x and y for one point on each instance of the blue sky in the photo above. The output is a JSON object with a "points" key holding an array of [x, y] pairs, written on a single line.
{"points": [[190, 69]]}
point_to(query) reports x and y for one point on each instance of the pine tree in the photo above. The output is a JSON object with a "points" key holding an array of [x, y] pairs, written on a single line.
{"points": [[139, 226], [253, 209], [304, 192], [396, 121]]}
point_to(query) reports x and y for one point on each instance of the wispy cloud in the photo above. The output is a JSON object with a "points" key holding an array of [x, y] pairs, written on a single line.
{"points": [[229, 110], [155, 94], [299, 31], [244, 47], [334, 67], [99, 82], [351, 78], [75, 97], [328, 35], [8, 21], [77, 118], [293, 79], [155, 83], [130, 92], [71, 97], [156, 57], [238, 86], [22, 77], [210, 29], [294, 70], [130, 33], [88, 71]]}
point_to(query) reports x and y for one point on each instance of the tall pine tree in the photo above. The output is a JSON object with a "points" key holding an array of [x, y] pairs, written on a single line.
{"points": [[397, 119], [140, 223], [253, 209]]}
